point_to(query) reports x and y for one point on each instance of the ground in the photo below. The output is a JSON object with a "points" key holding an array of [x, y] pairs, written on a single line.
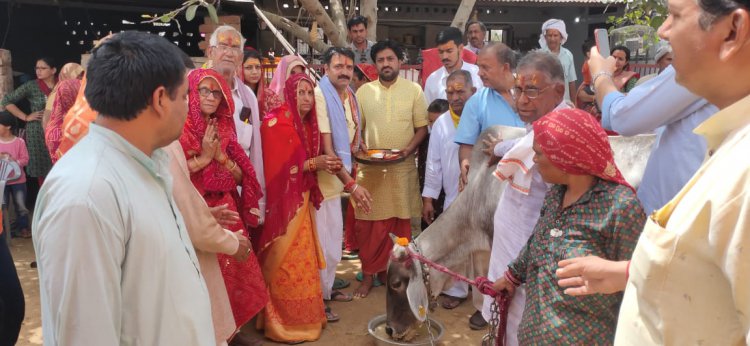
{"points": [[350, 330]]}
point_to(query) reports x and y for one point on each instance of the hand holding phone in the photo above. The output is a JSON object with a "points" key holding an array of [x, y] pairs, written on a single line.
{"points": [[602, 42]]}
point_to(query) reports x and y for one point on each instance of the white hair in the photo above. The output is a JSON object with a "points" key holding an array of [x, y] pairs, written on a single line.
{"points": [[213, 41]]}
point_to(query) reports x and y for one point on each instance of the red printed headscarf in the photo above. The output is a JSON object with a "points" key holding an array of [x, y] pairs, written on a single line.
{"points": [[67, 91], [576, 143], [214, 177], [293, 140]]}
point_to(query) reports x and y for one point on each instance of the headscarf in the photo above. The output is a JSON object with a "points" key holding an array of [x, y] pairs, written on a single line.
{"points": [[283, 70], [294, 141], [556, 24], [214, 177], [66, 93], [369, 70], [576, 143], [70, 70]]}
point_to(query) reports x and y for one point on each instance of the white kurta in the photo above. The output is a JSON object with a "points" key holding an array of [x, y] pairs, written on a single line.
{"points": [[248, 135], [515, 218], [116, 265], [441, 168], [434, 87], [442, 172]]}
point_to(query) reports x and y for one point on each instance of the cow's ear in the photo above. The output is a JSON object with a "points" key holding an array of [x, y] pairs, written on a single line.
{"points": [[416, 292]]}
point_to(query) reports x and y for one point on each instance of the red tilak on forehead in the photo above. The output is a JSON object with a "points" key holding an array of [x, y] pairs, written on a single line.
{"points": [[229, 38], [534, 79], [455, 86]]}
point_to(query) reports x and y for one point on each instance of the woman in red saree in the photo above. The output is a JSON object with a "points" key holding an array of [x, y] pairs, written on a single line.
{"points": [[288, 247], [218, 165]]}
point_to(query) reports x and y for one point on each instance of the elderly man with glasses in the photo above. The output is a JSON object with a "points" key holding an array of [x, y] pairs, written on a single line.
{"points": [[540, 89]]}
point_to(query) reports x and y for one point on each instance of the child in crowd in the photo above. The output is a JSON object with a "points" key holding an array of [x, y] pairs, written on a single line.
{"points": [[14, 149]]}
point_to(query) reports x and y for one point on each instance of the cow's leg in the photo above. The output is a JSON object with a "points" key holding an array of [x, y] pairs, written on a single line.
{"points": [[480, 263]]}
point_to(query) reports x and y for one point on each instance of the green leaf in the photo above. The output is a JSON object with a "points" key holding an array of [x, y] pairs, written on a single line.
{"points": [[165, 18], [212, 13], [190, 13]]}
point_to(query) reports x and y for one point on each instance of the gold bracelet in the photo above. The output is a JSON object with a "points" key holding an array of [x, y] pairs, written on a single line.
{"points": [[234, 164], [195, 158]]}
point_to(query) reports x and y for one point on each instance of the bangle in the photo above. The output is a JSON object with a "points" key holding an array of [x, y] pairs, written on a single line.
{"points": [[195, 158], [355, 188], [234, 164], [349, 185], [599, 74], [512, 279], [312, 165]]}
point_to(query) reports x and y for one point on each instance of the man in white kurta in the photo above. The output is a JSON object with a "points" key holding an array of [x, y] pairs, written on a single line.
{"points": [[116, 264], [442, 168], [538, 92], [246, 116], [449, 45]]}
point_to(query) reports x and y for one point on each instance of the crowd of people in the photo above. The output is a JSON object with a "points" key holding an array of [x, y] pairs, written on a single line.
{"points": [[179, 204]]}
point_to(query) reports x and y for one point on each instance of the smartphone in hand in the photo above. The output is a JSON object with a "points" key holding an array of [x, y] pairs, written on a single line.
{"points": [[602, 41]]}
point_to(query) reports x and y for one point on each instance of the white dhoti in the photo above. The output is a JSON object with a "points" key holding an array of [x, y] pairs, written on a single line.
{"points": [[515, 218], [330, 226]]}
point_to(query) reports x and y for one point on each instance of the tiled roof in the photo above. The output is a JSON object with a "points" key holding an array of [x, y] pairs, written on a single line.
{"points": [[553, 2]]}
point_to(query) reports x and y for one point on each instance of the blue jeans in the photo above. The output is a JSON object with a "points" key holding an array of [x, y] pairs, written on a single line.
{"points": [[18, 193]]}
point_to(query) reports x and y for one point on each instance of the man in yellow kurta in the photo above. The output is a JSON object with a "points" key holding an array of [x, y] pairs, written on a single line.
{"points": [[395, 117]]}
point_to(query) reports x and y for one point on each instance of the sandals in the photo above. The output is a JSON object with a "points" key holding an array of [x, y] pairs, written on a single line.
{"points": [[330, 316], [451, 302], [340, 284], [338, 296], [375, 283]]}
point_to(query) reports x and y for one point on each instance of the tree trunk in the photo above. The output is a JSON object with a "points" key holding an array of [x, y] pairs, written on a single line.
{"points": [[339, 17], [463, 14], [369, 10], [331, 30], [296, 30]]}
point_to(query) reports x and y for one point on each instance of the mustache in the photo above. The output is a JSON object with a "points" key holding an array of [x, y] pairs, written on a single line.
{"points": [[344, 77]]}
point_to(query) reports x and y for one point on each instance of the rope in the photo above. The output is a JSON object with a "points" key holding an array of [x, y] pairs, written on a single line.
{"points": [[483, 285]]}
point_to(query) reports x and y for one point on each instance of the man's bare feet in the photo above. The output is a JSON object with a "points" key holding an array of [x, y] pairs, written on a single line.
{"points": [[364, 288]]}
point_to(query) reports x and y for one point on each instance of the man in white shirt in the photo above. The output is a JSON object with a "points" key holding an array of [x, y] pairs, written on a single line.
{"points": [[225, 55], [476, 34], [449, 46], [553, 36], [442, 169], [116, 264]]}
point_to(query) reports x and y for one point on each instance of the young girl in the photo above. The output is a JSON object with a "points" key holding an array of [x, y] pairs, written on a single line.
{"points": [[13, 148]]}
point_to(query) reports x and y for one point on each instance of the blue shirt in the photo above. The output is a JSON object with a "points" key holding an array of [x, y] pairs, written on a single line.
{"points": [[485, 109], [661, 104]]}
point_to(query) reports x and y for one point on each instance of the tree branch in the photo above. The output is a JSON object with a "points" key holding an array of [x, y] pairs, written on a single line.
{"points": [[331, 30], [296, 30], [339, 18], [463, 14], [369, 10]]}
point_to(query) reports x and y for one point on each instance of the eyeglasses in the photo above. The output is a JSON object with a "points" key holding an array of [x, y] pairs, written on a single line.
{"points": [[204, 92], [531, 93], [226, 48]]}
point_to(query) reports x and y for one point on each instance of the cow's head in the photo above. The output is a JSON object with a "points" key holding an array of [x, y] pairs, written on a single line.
{"points": [[406, 298]]}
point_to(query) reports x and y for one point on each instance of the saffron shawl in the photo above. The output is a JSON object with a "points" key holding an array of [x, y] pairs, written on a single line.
{"points": [[214, 177], [294, 140], [66, 93], [576, 143]]}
